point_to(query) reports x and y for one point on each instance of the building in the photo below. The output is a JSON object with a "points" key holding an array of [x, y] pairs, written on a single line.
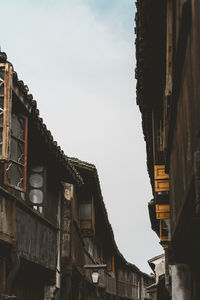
{"points": [[168, 72], [53, 221], [158, 289], [32, 168], [93, 243]]}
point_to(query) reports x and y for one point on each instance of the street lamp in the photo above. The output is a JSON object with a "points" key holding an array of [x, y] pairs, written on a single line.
{"points": [[95, 273], [95, 277]]}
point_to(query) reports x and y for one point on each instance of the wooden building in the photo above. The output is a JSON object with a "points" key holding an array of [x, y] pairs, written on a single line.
{"points": [[92, 243], [32, 169], [53, 220], [168, 94]]}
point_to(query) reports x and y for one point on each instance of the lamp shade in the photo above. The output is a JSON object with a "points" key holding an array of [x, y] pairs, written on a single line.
{"points": [[95, 277]]}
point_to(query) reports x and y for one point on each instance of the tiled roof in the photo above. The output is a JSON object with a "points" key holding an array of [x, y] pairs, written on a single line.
{"points": [[22, 91], [150, 67], [91, 168]]}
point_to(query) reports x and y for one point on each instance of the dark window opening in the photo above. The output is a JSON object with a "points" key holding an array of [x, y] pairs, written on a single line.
{"points": [[86, 211]]}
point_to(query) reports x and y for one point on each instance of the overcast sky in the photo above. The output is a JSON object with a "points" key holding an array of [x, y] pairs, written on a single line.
{"points": [[78, 59]]}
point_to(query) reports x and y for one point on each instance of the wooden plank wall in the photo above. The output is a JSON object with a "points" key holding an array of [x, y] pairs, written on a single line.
{"points": [[7, 219], [128, 284], [36, 241], [77, 246], [187, 131], [30, 290], [110, 284]]}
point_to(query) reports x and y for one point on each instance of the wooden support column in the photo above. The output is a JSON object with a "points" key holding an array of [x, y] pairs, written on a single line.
{"points": [[168, 87], [2, 276], [169, 58], [65, 243], [15, 266]]}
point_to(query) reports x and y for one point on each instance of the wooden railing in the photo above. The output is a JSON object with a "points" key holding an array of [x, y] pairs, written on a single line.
{"points": [[129, 290], [110, 284]]}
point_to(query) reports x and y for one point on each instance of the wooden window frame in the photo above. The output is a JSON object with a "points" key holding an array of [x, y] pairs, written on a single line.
{"points": [[159, 172], [24, 165], [162, 211], [163, 237], [6, 111], [7, 105], [88, 225], [111, 258]]}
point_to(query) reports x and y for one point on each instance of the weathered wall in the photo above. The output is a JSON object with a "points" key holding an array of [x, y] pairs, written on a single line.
{"points": [[187, 130], [181, 282], [36, 241], [7, 219]]}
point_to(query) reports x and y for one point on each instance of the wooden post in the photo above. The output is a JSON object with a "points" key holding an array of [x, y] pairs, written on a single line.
{"points": [[2, 276], [168, 88]]}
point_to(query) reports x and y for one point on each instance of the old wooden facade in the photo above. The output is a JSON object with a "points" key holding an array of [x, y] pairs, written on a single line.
{"points": [[32, 169], [92, 243], [168, 94], [52, 216]]}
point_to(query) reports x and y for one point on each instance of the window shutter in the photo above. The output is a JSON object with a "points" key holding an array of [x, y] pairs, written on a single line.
{"points": [[5, 108], [110, 261]]}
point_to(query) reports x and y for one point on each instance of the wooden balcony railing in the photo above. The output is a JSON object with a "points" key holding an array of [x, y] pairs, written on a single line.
{"points": [[129, 290]]}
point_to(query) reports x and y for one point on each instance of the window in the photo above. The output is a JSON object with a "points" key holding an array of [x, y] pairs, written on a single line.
{"points": [[36, 187], [110, 261], [87, 217], [5, 109], [99, 253], [164, 230], [89, 246], [16, 168], [86, 211], [13, 134]]}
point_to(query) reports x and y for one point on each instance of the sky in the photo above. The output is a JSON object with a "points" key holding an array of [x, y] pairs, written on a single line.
{"points": [[78, 59]]}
